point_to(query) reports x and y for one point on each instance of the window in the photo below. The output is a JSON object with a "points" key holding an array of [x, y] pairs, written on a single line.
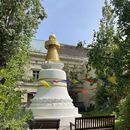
{"points": [[35, 74], [30, 97]]}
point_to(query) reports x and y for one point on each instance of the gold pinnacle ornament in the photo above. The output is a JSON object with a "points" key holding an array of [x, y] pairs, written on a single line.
{"points": [[52, 45]]}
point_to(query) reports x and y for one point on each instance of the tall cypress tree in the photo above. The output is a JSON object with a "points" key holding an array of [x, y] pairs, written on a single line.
{"points": [[105, 56], [122, 9]]}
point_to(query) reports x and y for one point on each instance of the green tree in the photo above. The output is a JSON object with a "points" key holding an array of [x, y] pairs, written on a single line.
{"points": [[74, 75], [122, 9], [11, 113], [124, 117], [107, 59], [81, 44], [19, 21]]}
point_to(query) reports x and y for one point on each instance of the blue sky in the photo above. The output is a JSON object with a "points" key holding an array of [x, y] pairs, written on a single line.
{"points": [[71, 20]]}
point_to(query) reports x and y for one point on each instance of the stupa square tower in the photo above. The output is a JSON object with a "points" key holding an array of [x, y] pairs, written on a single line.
{"points": [[53, 101]]}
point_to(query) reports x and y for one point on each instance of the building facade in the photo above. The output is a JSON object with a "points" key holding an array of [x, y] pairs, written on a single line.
{"points": [[74, 59]]}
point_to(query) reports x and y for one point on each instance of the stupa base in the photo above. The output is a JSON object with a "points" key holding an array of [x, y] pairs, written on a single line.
{"points": [[47, 104]]}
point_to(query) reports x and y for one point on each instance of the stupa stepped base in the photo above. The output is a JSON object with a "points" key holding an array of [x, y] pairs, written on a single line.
{"points": [[54, 113], [54, 102], [66, 115]]}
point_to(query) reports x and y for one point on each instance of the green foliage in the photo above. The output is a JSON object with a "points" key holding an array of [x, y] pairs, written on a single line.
{"points": [[104, 58], [96, 112], [11, 113], [103, 46], [81, 44], [18, 22], [122, 9], [119, 125], [109, 55], [74, 74], [124, 115]]}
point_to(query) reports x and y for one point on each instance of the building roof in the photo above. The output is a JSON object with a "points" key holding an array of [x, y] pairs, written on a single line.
{"points": [[38, 46], [65, 50], [69, 50]]}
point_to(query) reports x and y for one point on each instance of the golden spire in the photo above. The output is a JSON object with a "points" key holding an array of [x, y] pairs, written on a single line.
{"points": [[52, 45]]}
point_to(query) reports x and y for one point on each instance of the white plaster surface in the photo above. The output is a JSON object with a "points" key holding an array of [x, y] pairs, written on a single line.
{"points": [[52, 74], [54, 65], [54, 101]]}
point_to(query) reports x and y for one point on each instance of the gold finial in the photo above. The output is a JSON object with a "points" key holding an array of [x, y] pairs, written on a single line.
{"points": [[52, 45]]}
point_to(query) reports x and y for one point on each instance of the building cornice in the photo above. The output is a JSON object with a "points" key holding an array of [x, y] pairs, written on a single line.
{"points": [[63, 57]]}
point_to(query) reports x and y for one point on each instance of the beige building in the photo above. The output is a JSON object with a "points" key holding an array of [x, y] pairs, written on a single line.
{"points": [[75, 60]]}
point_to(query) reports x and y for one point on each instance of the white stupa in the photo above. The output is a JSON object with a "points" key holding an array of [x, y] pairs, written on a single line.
{"points": [[53, 101]]}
